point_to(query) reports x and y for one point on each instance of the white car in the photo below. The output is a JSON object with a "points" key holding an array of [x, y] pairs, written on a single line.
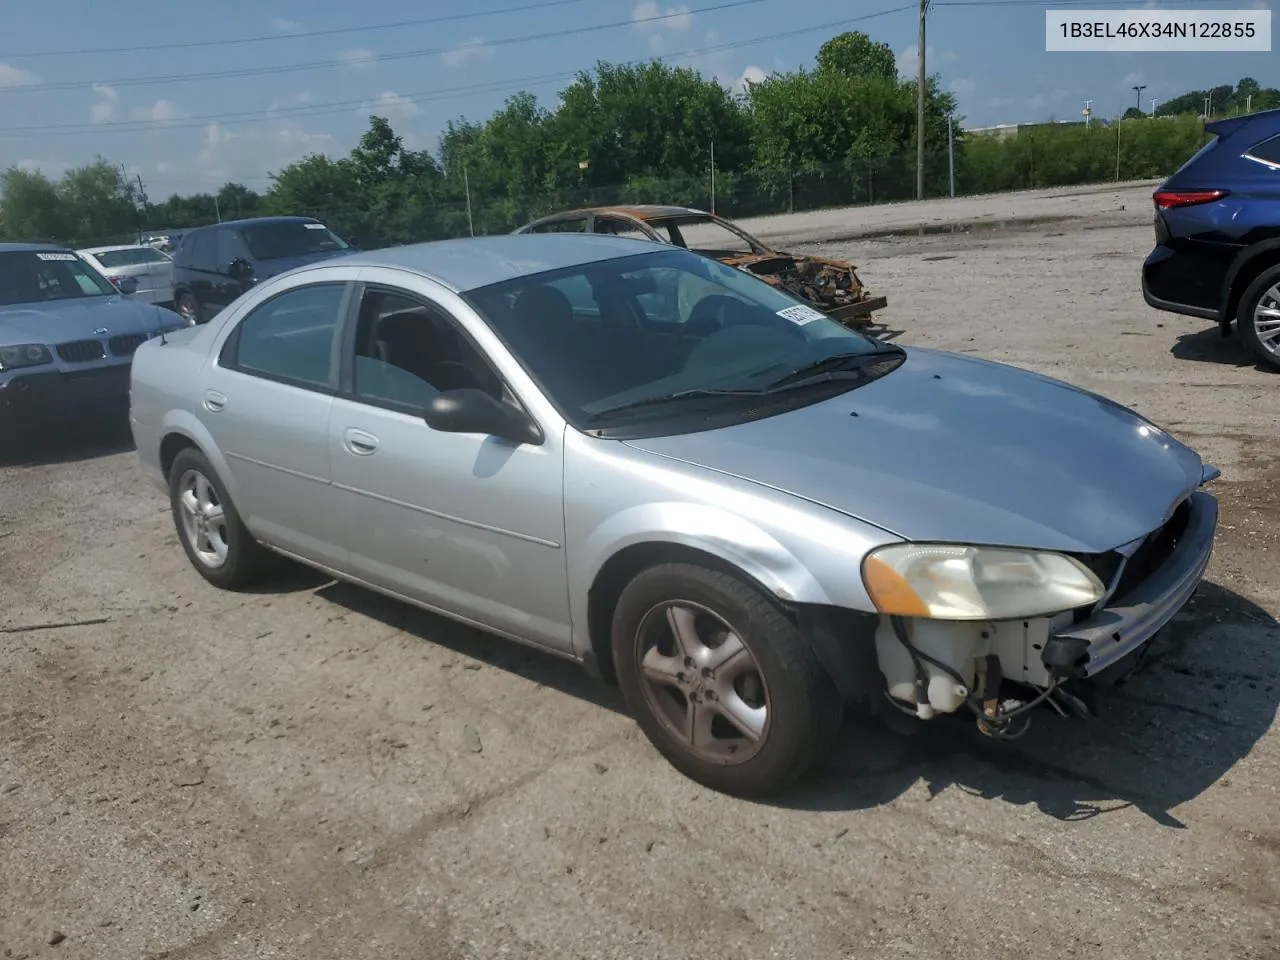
{"points": [[152, 268]]}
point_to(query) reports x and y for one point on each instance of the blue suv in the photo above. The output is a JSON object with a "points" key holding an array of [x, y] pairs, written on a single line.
{"points": [[1217, 252]]}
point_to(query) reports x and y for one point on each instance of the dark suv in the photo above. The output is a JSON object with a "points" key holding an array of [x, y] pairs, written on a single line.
{"points": [[214, 265], [1217, 253]]}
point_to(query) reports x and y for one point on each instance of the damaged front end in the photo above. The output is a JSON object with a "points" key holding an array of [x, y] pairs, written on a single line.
{"points": [[1001, 669], [831, 286]]}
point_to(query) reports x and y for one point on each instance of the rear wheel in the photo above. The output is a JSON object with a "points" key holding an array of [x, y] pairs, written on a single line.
{"points": [[187, 307], [1258, 319], [721, 681], [215, 540]]}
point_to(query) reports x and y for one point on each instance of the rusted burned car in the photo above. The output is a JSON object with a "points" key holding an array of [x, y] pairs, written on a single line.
{"points": [[831, 286]]}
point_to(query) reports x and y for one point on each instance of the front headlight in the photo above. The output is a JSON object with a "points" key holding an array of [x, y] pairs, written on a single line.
{"points": [[947, 581], [24, 355]]}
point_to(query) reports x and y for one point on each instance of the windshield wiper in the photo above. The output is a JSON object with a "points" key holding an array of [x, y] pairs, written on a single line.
{"points": [[839, 366], [669, 398]]}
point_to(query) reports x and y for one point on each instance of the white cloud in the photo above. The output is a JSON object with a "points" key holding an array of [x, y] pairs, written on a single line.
{"points": [[963, 86], [909, 59], [360, 58], [297, 100], [391, 105], [53, 169], [1134, 79], [213, 154], [161, 111], [468, 50], [162, 166], [285, 25], [16, 77], [752, 74], [997, 103], [675, 20], [298, 142], [105, 101]]}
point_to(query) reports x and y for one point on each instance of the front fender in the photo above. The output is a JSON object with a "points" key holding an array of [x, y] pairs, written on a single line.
{"points": [[723, 534]]}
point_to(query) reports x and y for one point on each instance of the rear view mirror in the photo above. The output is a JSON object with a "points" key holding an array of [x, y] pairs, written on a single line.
{"points": [[128, 285], [474, 411], [240, 270]]}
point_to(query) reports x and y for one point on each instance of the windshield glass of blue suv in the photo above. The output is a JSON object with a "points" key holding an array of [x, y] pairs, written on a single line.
{"points": [[37, 276], [290, 238], [666, 327]]}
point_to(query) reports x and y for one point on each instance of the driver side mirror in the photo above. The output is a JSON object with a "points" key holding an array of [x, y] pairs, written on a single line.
{"points": [[127, 285], [240, 270], [474, 411]]}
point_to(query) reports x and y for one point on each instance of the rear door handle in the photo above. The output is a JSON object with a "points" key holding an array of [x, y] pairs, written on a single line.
{"points": [[360, 443], [214, 401]]}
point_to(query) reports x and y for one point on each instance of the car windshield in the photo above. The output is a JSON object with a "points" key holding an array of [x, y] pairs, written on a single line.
{"points": [[290, 238], [130, 257], [705, 233], [644, 336], [36, 276]]}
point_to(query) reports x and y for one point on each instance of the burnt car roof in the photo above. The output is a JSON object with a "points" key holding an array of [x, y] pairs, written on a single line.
{"points": [[640, 211]]}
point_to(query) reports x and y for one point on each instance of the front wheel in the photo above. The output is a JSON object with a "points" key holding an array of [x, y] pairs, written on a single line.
{"points": [[1258, 319], [721, 681]]}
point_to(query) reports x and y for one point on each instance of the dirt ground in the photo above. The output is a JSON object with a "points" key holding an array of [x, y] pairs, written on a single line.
{"points": [[314, 772]]}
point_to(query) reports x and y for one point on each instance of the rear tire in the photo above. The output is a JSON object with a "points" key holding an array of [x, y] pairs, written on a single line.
{"points": [[214, 538], [721, 681], [1258, 331]]}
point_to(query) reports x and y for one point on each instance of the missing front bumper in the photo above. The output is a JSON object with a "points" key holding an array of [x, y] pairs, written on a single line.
{"points": [[1087, 649]]}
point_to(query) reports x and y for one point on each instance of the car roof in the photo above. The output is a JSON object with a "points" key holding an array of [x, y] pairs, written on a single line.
{"points": [[473, 262], [118, 246], [640, 211], [32, 246]]}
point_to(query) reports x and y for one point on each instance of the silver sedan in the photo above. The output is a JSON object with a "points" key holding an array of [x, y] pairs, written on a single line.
{"points": [[745, 514]]}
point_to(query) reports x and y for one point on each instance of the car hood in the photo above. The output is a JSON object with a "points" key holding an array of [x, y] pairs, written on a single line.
{"points": [[272, 268], [952, 448], [58, 321]]}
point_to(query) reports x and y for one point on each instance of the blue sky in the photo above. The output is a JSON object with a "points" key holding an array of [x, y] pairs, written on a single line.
{"points": [[60, 109]]}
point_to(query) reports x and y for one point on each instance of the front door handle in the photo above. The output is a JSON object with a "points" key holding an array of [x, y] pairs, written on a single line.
{"points": [[214, 401], [360, 443]]}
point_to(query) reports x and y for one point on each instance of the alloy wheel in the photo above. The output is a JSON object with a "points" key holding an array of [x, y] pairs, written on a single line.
{"points": [[204, 522], [702, 682], [1266, 320]]}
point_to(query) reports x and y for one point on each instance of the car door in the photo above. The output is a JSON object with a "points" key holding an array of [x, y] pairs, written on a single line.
{"points": [[159, 274], [266, 400], [466, 523], [230, 248], [202, 268]]}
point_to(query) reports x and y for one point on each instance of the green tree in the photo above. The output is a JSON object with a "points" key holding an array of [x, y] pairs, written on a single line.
{"points": [[31, 207], [855, 54]]}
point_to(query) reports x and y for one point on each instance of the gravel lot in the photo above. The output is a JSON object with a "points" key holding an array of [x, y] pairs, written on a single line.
{"points": [[315, 772]]}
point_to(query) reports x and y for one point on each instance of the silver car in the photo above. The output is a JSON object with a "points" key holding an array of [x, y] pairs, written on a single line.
{"points": [[150, 267], [742, 512]]}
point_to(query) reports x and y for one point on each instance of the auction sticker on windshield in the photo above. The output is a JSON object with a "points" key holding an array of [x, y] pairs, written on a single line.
{"points": [[801, 314], [314, 226], [56, 256]]}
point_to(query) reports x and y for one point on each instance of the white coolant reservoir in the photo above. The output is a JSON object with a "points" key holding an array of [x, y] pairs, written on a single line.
{"points": [[957, 644]]}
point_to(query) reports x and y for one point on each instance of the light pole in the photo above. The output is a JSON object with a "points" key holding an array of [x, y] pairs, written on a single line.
{"points": [[1087, 111], [920, 44], [1154, 101], [1138, 88]]}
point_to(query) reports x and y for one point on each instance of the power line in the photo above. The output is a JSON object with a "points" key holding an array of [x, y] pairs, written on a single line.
{"points": [[301, 35], [377, 58], [436, 93]]}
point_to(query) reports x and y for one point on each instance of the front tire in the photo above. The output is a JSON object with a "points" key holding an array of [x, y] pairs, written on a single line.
{"points": [[721, 681], [1258, 319], [215, 539]]}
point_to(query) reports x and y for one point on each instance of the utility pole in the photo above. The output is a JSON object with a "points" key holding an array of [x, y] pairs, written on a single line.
{"points": [[920, 45], [951, 156], [713, 176], [466, 186], [1154, 101], [141, 205], [1119, 117], [1138, 88], [1088, 112], [217, 210]]}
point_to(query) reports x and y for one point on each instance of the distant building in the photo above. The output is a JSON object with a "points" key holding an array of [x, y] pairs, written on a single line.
{"points": [[1006, 131]]}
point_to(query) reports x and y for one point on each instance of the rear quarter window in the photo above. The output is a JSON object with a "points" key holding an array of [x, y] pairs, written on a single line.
{"points": [[1268, 151]]}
